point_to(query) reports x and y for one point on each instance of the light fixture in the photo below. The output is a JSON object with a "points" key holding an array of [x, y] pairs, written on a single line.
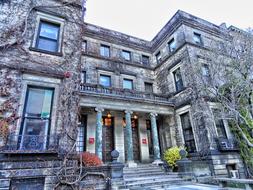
{"points": [[109, 115], [135, 117]]}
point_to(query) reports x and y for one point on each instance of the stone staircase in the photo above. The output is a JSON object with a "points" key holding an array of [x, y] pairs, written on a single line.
{"points": [[147, 177]]}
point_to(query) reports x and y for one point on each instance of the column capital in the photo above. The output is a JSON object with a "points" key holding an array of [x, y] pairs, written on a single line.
{"points": [[128, 111], [152, 114], [99, 109]]}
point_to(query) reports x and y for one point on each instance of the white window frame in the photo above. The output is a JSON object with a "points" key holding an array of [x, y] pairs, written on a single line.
{"points": [[51, 19]]}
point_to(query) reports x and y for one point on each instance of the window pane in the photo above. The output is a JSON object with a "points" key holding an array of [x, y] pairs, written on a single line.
{"points": [[148, 87], [145, 59], [80, 139], [197, 38], [35, 127], [35, 134], [105, 51], [105, 80], [126, 55], [49, 30], [48, 45], [83, 77], [172, 45], [158, 57], [39, 102], [127, 84]]}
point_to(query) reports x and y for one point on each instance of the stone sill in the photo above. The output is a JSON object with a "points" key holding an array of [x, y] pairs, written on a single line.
{"points": [[46, 52]]}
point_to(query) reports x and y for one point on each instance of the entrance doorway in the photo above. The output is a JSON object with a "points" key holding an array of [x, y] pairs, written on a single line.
{"points": [[82, 134], [135, 137], [107, 138]]}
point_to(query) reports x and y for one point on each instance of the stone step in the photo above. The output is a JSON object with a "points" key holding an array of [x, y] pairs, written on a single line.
{"points": [[144, 174], [144, 183], [150, 178], [154, 184], [141, 171]]}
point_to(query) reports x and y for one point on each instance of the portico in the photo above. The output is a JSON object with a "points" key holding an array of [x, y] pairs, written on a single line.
{"points": [[132, 128]]}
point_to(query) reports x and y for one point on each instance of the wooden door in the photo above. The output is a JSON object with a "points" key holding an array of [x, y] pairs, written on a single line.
{"points": [[108, 140]]}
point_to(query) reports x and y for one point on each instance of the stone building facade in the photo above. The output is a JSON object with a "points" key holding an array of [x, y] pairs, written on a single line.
{"points": [[62, 79]]}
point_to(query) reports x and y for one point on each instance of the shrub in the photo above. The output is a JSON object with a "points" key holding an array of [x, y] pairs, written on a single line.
{"points": [[90, 159], [171, 156]]}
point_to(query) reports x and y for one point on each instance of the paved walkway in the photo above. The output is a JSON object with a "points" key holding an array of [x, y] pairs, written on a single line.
{"points": [[198, 187]]}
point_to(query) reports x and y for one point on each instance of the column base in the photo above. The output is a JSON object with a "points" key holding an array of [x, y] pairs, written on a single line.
{"points": [[157, 162], [131, 164]]}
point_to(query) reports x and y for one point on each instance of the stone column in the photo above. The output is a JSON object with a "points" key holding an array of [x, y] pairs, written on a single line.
{"points": [[156, 147], [98, 144], [129, 139]]}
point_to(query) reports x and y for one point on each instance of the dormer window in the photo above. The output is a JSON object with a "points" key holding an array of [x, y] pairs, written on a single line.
{"points": [[172, 45]]}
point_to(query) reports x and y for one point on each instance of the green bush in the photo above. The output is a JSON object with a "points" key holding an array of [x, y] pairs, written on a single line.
{"points": [[171, 156]]}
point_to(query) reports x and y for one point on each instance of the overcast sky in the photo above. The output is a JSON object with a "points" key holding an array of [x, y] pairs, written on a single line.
{"points": [[144, 18]]}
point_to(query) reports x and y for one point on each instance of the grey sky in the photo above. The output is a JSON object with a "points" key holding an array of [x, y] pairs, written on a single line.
{"points": [[144, 18]]}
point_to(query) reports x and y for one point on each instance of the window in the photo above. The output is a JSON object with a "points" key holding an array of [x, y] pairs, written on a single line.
{"points": [[81, 135], [172, 45], [105, 80], [206, 73], [219, 124], [36, 118], [84, 46], [83, 77], [128, 84], [158, 57], [188, 132], [197, 38], [31, 184], [105, 50], [145, 60], [148, 87], [126, 55], [48, 36], [178, 80]]}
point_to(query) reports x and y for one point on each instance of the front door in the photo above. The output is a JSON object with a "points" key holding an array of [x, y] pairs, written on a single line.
{"points": [[135, 137], [108, 143]]}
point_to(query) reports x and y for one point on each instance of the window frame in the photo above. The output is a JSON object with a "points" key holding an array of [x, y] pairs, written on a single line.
{"points": [[207, 78], [199, 36], [22, 127], [110, 80], [84, 47], [49, 39], [188, 129], [157, 55], [177, 87], [83, 77], [128, 52], [152, 87], [129, 80], [170, 43], [147, 58], [44, 17], [105, 46]]}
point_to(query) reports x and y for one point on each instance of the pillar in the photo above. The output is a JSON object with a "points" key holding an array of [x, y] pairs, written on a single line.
{"points": [[129, 139], [156, 147], [98, 144]]}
